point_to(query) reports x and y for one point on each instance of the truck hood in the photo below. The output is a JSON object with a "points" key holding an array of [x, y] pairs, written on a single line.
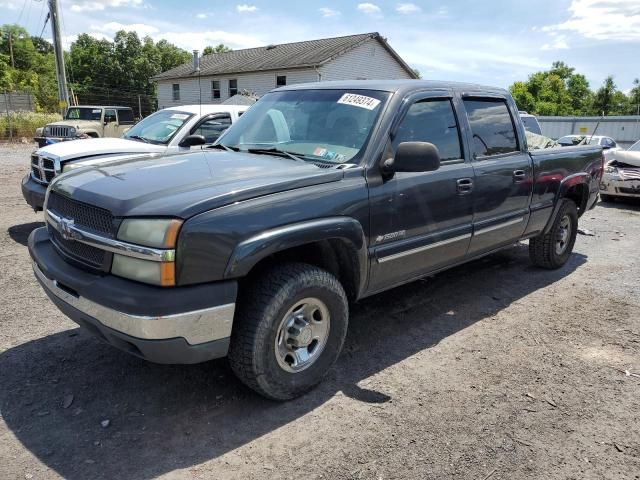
{"points": [[93, 147], [185, 185]]}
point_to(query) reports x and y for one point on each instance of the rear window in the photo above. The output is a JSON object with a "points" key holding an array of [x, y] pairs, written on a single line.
{"points": [[125, 116], [492, 127]]}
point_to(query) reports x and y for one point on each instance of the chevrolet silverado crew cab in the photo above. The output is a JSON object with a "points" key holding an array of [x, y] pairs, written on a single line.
{"points": [[166, 132], [320, 195]]}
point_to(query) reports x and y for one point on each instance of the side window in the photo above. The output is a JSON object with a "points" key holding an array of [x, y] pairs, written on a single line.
{"points": [[212, 128], [233, 87], [109, 116], [215, 88], [176, 91], [431, 121], [491, 126], [125, 117]]}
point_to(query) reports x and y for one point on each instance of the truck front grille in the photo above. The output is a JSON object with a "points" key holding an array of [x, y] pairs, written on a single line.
{"points": [[42, 168], [80, 252], [58, 131], [88, 216]]}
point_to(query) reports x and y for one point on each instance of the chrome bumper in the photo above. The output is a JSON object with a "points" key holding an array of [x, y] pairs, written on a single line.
{"points": [[195, 327]]}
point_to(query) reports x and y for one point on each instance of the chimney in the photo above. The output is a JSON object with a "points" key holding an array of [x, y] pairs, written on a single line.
{"points": [[196, 61]]}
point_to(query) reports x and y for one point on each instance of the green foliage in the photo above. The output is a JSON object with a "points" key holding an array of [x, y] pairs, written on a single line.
{"points": [[561, 91], [99, 71], [221, 48], [24, 124]]}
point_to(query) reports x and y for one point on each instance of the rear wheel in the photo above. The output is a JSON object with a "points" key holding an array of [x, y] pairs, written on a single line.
{"points": [[553, 249], [289, 330]]}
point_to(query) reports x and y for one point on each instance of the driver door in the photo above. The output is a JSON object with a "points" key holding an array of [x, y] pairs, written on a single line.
{"points": [[421, 221]]}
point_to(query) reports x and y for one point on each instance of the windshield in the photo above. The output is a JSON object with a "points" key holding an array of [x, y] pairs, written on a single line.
{"points": [[160, 127], [635, 147], [329, 126], [83, 113]]}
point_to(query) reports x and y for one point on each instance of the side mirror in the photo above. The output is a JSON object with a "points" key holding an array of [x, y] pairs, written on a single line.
{"points": [[192, 141], [413, 157]]}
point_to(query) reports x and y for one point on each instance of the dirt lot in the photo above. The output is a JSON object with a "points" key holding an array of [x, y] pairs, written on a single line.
{"points": [[492, 370]]}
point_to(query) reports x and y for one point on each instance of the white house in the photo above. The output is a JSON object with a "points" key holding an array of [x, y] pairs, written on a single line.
{"points": [[216, 77]]}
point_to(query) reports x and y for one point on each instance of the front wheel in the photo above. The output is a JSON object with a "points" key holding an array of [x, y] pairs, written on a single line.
{"points": [[289, 330], [553, 249]]}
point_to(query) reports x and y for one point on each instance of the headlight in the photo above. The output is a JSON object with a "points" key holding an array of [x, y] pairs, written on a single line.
{"points": [[156, 233], [46, 131], [71, 166], [72, 132], [611, 169]]}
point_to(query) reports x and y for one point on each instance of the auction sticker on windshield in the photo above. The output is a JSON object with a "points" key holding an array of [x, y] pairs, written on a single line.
{"points": [[361, 101], [179, 116]]}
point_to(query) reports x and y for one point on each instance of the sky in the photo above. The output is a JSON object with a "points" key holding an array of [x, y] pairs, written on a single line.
{"points": [[494, 43]]}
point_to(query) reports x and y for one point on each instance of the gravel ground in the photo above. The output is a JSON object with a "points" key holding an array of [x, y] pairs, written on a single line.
{"points": [[491, 370]]}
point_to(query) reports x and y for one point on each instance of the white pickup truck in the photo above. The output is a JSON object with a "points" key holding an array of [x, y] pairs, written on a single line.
{"points": [[168, 131]]}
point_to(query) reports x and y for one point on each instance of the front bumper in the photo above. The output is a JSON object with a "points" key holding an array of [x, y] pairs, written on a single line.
{"points": [[620, 187], [177, 325], [33, 192]]}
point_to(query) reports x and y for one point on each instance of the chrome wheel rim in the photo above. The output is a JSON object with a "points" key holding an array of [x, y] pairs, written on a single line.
{"points": [[563, 235], [302, 335]]}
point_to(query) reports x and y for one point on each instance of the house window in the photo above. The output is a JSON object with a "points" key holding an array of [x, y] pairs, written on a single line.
{"points": [[215, 89], [281, 80], [233, 87], [176, 91]]}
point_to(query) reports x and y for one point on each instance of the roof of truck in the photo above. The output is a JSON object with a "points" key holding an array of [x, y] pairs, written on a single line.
{"points": [[400, 86]]}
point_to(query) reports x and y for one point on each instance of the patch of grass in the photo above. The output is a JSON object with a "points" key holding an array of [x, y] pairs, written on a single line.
{"points": [[24, 124]]}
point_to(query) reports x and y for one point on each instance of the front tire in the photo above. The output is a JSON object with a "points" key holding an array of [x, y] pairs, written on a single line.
{"points": [[289, 330], [552, 250]]}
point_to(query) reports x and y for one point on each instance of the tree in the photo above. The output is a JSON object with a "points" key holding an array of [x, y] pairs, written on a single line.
{"points": [[634, 97], [608, 99], [221, 48], [417, 72], [523, 97]]}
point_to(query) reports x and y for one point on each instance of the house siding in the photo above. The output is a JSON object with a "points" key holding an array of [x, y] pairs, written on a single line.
{"points": [[257, 83], [369, 61]]}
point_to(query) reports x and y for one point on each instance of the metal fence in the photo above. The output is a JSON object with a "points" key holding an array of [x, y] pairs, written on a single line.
{"points": [[623, 129], [16, 102]]}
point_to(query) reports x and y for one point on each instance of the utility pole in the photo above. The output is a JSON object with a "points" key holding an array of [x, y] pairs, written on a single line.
{"points": [[63, 92]]}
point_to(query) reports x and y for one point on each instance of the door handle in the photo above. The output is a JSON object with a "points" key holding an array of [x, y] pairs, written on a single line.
{"points": [[519, 175], [464, 186]]}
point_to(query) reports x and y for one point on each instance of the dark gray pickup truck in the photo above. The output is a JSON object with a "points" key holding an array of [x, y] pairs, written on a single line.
{"points": [[320, 195]]}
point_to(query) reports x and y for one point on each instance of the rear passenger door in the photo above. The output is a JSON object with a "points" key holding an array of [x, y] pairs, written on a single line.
{"points": [[421, 221], [503, 173]]}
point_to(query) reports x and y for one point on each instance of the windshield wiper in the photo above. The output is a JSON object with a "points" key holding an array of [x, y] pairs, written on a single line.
{"points": [[138, 137], [275, 151], [224, 147]]}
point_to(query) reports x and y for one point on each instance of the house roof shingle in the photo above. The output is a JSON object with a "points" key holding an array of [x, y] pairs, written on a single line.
{"points": [[310, 53]]}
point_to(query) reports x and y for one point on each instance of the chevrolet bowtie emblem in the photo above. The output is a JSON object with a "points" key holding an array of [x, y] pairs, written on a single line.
{"points": [[66, 228]]}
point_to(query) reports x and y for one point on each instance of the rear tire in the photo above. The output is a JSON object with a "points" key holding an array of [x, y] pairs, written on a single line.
{"points": [[606, 198], [281, 315], [552, 250]]}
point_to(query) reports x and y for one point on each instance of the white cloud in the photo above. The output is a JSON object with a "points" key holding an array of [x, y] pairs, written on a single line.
{"points": [[408, 8], [112, 27], [558, 42], [91, 5], [9, 4], [201, 15], [369, 8], [328, 12], [244, 8], [602, 20]]}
